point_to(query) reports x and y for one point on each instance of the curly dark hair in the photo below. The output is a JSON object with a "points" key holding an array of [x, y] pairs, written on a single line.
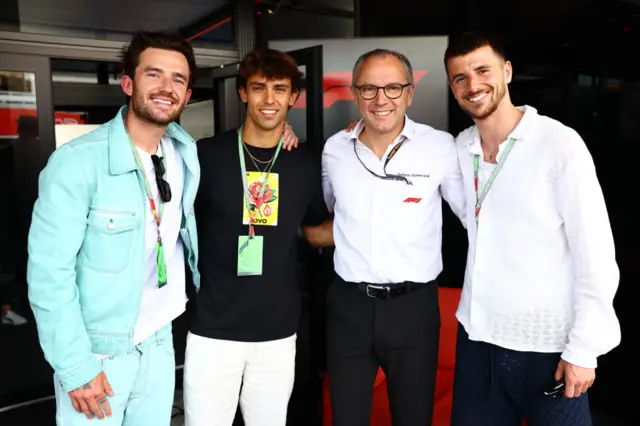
{"points": [[270, 63]]}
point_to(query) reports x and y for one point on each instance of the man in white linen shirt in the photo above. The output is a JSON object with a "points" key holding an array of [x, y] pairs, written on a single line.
{"points": [[537, 304], [385, 180]]}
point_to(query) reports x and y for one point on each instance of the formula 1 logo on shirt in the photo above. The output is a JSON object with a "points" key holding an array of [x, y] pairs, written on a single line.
{"points": [[412, 200]]}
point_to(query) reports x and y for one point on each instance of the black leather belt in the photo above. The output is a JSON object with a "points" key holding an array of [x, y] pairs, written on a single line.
{"points": [[388, 291]]}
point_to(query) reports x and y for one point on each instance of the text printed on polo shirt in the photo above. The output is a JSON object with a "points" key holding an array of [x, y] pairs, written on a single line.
{"points": [[413, 175]]}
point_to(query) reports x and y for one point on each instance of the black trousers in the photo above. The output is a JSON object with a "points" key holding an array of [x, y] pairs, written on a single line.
{"points": [[494, 386], [400, 334], [7, 288]]}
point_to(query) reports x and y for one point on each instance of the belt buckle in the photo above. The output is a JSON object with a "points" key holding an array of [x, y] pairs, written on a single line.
{"points": [[378, 287]]}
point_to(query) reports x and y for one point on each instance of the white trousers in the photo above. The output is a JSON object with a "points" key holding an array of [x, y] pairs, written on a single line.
{"points": [[219, 373]]}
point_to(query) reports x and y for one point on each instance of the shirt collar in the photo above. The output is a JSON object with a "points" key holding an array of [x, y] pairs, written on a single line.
{"points": [[519, 133], [408, 131], [121, 159]]}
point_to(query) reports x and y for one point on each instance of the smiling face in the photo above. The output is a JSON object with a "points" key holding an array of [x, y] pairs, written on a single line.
{"points": [[479, 81], [159, 89], [383, 115], [268, 100]]}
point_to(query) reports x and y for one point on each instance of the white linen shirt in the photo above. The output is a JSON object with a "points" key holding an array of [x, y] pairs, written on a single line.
{"points": [[386, 231], [541, 272]]}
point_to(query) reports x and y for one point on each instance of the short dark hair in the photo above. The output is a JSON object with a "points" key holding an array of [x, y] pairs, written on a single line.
{"points": [[271, 64], [143, 40], [462, 44]]}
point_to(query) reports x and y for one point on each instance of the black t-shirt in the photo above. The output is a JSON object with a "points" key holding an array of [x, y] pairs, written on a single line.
{"points": [[251, 308]]}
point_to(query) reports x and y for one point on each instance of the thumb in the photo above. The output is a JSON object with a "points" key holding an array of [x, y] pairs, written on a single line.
{"points": [[559, 372], [107, 387]]}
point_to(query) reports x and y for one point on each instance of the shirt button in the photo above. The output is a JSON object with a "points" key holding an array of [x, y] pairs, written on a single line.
{"points": [[110, 226]]}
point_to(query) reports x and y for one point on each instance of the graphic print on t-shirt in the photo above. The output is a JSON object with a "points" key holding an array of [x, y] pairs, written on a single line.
{"points": [[267, 213]]}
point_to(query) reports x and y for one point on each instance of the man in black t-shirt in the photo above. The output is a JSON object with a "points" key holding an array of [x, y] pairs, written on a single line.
{"points": [[253, 198]]}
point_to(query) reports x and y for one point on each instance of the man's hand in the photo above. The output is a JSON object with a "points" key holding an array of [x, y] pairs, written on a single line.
{"points": [[352, 125], [290, 140], [577, 379], [321, 235], [91, 399]]}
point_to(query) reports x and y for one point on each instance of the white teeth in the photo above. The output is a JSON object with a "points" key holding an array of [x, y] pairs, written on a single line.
{"points": [[268, 111], [478, 97], [162, 101], [382, 112]]}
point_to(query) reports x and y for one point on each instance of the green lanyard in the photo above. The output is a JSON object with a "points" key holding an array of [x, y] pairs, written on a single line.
{"points": [[253, 208], [157, 216], [487, 186]]}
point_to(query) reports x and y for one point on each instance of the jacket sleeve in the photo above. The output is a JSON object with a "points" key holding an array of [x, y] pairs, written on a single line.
{"points": [[57, 232]]}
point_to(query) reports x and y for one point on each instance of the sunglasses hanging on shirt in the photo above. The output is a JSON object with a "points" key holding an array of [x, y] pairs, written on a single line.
{"points": [[389, 157], [160, 168], [163, 186]]}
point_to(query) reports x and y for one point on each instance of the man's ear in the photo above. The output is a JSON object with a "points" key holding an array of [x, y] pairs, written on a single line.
{"points": [[355, 92], [127, 85], [410, 92], [294, 97], [508, 72], [242, 92]]}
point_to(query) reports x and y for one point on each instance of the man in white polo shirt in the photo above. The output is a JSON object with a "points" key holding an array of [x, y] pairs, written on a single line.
{"points": [[385, 180], [537, 305]]}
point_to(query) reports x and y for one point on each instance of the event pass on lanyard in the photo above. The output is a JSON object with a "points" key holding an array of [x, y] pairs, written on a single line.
{"points": [[250, 247]]}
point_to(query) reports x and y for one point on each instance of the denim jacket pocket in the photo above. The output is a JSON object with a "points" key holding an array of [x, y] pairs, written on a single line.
{"points": [[108, 240]]}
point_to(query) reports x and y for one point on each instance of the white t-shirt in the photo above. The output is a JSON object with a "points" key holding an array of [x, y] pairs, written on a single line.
{"points": [[486, 169], [160, 306]]}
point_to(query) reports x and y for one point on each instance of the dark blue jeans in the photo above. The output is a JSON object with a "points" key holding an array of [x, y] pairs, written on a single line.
{"points": [[494, 386]]}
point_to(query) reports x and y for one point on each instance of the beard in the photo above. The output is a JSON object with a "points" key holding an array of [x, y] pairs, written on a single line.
{"points": [[143, 109], [490, 107]]}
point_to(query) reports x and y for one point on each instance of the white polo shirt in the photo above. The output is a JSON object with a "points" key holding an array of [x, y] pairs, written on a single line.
{"points": [[541, 271], [386, 231]]}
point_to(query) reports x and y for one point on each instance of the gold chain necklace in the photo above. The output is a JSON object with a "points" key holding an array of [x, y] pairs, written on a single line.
{"points": [[244, 144], [253, 159]]}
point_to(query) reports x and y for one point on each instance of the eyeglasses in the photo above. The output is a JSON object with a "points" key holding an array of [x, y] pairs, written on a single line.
{"points": [[555, 391], [163, 186], [391, 91]]}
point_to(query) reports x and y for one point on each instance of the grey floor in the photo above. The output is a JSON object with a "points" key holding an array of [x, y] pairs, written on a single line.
{"points": [[43, 415]]}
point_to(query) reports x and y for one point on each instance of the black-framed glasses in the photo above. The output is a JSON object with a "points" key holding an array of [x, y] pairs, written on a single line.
{"points": [[163, 186], [391, 91]]}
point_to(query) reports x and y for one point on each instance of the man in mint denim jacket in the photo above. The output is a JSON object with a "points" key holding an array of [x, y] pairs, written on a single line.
{"points": [[105, 280]]}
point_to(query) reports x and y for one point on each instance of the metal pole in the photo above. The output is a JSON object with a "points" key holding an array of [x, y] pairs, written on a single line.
{"points": [[244, 18]]}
